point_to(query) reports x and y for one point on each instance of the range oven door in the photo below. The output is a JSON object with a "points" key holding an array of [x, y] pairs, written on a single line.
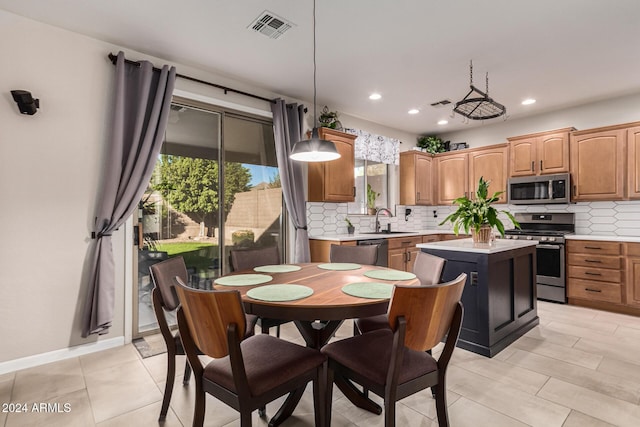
{"points": [[550, 272]]}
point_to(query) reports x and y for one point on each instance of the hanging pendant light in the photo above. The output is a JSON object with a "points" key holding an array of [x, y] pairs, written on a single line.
{"points": [[314, 149]]}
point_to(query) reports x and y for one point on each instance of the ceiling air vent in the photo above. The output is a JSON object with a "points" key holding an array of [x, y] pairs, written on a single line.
{"points": [[271, 25], [441, 103]]}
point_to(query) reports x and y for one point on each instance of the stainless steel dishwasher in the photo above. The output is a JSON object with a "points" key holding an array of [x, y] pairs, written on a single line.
{"points": [[383, 250]]}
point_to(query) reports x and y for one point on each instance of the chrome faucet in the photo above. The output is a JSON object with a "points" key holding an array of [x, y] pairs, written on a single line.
{"points": [[378, 221]]}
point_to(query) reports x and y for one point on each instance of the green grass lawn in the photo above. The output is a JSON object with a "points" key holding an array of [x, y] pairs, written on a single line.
{"points": [[196, 254]]}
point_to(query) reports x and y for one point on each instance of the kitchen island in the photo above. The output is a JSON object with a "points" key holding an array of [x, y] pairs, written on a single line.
{"points": [[499, 297]]}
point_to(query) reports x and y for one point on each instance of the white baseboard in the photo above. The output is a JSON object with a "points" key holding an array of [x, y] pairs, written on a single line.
{"points": [[57, 355]]}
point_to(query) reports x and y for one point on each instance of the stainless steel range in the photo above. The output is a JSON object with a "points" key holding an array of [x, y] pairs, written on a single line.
{"points": [[549, 230]]}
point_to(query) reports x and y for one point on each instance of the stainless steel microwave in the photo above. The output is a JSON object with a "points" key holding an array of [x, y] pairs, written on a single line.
{"points": [[537, 190]]}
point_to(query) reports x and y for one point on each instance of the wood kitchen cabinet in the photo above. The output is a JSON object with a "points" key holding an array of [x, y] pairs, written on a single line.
{"points": [[320, 249], [457, 174], [452, 177], [633, 167], [492, 164], [633, 274], [540, 153], [333, 181], [598, 163], [402, 252], [416, 178], [594, 271]]}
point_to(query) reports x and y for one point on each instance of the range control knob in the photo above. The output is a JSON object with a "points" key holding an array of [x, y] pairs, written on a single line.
{"points": [[543, 238], [529, 237], [506, 236], [514, 237], [552, 239]]}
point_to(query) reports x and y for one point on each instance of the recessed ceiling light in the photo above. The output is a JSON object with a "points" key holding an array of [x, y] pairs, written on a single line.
{"points": [[375, 96], [414, 111], [528, 101], [443, 122]]}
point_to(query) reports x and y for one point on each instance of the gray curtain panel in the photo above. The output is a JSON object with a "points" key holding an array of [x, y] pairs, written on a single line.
{"points": [[142, 104], [287, 128]]}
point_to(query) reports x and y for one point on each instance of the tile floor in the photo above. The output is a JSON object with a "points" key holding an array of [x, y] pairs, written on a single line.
{"points": [[580, 367]]}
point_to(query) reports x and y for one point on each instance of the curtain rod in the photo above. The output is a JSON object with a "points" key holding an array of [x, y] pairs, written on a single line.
{"points": [[114, 58]]}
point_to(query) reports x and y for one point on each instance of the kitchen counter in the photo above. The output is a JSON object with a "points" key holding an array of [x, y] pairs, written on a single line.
{"points": [[611, 238], [499, 297], [369, 236], [467, 245]]}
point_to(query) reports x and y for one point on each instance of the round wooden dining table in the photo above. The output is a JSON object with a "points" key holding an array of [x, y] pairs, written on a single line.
{"points": [[320, 314]]}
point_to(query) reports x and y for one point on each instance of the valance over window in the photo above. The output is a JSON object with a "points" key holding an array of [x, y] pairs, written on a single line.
{"points": [[377, 148]]}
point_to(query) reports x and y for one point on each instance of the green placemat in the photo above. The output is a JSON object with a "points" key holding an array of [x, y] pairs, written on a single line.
{"points": [[339, 266], [243, 280], [373, 290], [390, 275], [287, 292], [277, 268]]}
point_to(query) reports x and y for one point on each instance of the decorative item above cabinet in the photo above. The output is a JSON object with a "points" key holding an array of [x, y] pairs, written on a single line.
{"points": [[540, 153]]}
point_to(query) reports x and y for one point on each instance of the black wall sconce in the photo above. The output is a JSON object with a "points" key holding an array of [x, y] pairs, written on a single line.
{"points": [[26, 103]]}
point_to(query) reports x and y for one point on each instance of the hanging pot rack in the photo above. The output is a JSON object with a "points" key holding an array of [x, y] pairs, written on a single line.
{"points": [[477, 105]]}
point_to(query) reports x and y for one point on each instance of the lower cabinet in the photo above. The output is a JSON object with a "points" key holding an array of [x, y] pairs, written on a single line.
{"points": [[604, 275], [402, 252], [320, 248], [633, 274]]}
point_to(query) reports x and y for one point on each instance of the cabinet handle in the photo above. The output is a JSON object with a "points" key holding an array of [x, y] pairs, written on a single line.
{"points": [[408, 256], [575, 191], [540, 165], [532, 164], [592, 290], [592, 274], [596, 261], [354, 191], [404, 257], [418, 195], [593, 247]]}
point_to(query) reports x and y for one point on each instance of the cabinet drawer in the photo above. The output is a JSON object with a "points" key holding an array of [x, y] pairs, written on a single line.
{"points": [[595, 261], [430, 238], [633, 249], [404, 242], [600, 291], [590, 273], [594, 247]]}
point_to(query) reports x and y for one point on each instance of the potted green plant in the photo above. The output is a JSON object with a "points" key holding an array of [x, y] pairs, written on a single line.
{"points": [[371, 200], [478, 214], [350, 227], [431, 144]]}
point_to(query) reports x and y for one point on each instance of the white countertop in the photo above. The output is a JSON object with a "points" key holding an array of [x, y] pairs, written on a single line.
{"points": [[369, 236], [610, 238], [467, 245]]}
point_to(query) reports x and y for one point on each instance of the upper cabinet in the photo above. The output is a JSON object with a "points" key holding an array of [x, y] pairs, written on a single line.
{"points": [[458, 173], [540, 153], [416, 178], [633, 147], [452, 177], [334, 181], [491, 163], [598, 163]]}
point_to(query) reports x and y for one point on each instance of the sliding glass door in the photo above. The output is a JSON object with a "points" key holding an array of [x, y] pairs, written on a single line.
{"points": [[215, 187]]}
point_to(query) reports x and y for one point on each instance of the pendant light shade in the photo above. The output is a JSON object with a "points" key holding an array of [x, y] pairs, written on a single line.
{"points": [[314, 149]]}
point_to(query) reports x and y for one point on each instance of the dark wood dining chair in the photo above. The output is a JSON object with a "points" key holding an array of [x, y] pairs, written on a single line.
{"points": [[244, 259], [393, 362], [366, 254], [164, 301], [427, 268], [245, 375]]}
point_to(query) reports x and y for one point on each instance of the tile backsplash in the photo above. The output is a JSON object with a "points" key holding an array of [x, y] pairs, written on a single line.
{"points": [[598, 218]]}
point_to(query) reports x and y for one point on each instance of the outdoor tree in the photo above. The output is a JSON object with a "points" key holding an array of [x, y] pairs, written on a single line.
{"points": [[191, 185], [275, 182]]}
